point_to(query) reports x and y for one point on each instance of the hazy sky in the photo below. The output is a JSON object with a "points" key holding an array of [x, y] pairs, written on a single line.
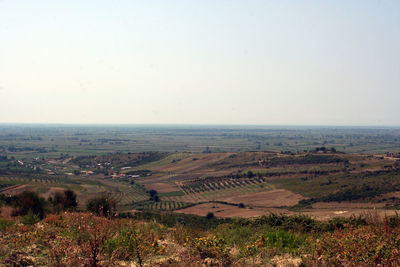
{"points": [[208, 62]]}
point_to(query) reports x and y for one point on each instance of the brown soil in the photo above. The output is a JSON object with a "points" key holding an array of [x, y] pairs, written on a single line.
{"points": [[346, 205], [272, 198], [162, 187], [329, 214]]}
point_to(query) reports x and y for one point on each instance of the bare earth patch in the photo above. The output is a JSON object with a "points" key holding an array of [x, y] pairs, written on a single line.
{"points": [[329, 214], [346, 205], [272, 198], [162, 187]]}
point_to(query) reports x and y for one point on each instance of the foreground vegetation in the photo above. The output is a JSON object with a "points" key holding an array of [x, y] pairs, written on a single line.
{"points": [[85, 239]]}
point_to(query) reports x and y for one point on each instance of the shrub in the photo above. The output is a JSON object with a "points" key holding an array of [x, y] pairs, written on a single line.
{"points": [[102, 206], [237, 235], [134, 242], [53, 219], [82, 240], [4, 224], [283, 240], [64, 201], [30, 218], [209, 247], [274, 242], [30, 201], [393, 221]]}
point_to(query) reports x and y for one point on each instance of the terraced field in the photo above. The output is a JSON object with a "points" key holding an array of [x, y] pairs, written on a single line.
{"points": [[132, 194], [33, 180], [162, 205]]}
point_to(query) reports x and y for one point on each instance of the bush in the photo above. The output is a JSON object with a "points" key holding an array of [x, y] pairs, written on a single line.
{"points": [[102, 206], [133, 242], [64, 201], [30, 218], [209, 247], [30, 201], [237, 235], [4, 224], [82, 240], [274, 242], [284, 241], [393, 221]]}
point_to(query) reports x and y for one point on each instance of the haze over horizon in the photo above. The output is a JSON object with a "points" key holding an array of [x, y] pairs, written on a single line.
{"points": [[208, 62]]}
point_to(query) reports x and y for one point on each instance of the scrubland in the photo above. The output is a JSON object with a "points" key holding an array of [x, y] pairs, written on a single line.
{"points": [[148, 239]]}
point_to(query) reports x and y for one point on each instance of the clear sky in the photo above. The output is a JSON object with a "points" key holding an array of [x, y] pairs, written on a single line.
{"points": [[200, 62]]}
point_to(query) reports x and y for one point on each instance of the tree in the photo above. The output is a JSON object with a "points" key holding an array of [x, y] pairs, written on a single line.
{"points": [[210, 215], [250, 174], [154, 195]]}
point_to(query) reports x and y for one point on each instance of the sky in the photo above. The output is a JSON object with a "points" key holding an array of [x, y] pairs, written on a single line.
{"points": [[200, 62]]}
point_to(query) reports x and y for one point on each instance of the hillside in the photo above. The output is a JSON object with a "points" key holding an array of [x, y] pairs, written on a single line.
{"points": [[261, 182]]}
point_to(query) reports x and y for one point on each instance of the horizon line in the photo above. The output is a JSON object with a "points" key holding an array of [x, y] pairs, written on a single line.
{"points": [[196, 124]]}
